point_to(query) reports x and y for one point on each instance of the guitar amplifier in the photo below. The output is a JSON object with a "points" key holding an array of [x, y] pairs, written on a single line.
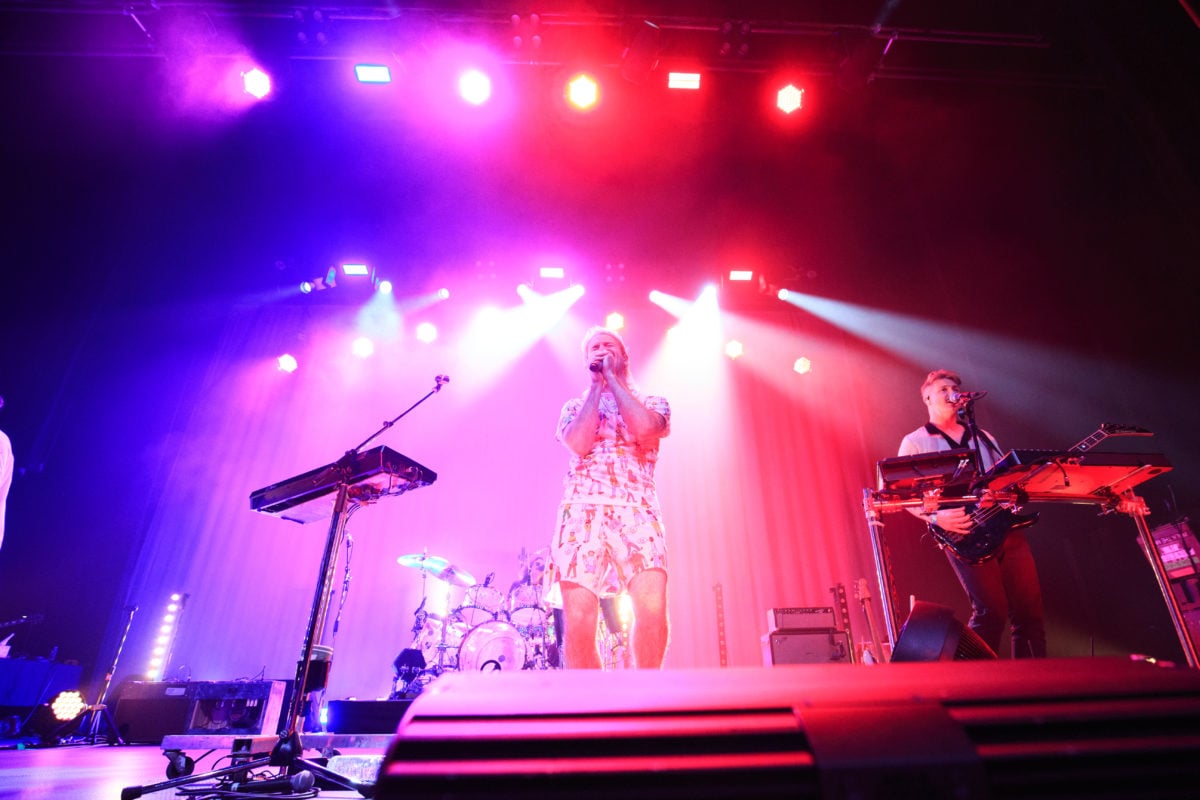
{"points": [[818, 619], [237, 707], [806, 647]]}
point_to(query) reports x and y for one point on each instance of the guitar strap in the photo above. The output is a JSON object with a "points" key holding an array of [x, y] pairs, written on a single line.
{"points": [[934, 430]]}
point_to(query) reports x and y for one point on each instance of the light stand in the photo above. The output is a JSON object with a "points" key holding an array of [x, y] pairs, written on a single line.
{"points": [[287, 752]]}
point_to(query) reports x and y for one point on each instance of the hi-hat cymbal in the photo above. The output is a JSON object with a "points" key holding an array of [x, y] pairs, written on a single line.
{"points": [[438, 567]]}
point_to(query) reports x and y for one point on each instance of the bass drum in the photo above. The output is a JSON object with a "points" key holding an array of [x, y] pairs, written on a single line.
{"points": [[494, 646]]}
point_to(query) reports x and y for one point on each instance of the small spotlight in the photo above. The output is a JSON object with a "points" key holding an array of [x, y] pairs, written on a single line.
{"points": [[287, 363], [256, 83], [372, 73], [583, 92], [683, 80], [802, 366], [789, 99], [783, 294], [614, 321], [306, 287], [475, 87], [443, 294], [362, 347], [67, 706], [384, 287], [427, 332], [734, 349]]}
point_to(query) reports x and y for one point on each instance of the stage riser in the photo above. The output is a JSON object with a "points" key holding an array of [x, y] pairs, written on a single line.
{"points": [[1029, 729]]}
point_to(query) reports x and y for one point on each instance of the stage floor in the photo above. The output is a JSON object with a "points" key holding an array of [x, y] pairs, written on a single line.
{"points": [[100, 772]]}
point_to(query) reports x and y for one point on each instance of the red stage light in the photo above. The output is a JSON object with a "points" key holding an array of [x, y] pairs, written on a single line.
{"points": [[583, 92]]}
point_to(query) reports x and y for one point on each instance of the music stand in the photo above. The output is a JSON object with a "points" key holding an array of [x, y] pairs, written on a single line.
{"points": [[287, 752]]}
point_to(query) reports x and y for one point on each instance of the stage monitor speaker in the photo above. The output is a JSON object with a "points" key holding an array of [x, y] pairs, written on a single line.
{"points": [[146, 711], [931, 633], [1030, 728]]}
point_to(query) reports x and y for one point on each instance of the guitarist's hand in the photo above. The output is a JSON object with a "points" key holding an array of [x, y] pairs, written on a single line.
{"points": [[953, 520]]}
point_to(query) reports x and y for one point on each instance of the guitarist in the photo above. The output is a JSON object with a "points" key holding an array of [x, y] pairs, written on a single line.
{"points": [[1005, 586]]}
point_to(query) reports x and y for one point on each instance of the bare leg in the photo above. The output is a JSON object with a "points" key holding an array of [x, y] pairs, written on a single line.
{"points": [[648, 590], [580, 611]]}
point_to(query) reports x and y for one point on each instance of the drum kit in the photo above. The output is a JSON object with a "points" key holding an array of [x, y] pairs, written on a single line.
{"points": [[487, 631]]}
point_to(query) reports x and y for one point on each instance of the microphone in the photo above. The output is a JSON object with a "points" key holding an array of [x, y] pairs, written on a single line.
{"points": [[966, 397], [596, 366], [440, 380], [302, 781], [488, 580]]}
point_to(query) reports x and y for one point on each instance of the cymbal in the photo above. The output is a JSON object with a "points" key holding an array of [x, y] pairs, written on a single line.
{"points": [[438, 567]]}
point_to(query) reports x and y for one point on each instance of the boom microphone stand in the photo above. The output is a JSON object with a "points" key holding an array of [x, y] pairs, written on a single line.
{"points": [[287, 753]]}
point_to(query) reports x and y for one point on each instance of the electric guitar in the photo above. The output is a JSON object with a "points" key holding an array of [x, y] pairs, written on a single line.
{"points": [[990, 524]]}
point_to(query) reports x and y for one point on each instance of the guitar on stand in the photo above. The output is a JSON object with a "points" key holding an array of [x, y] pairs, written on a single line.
{"points": [[872, 654], [990, 524]]}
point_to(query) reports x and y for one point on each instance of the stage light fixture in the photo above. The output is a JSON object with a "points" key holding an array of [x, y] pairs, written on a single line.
{"points": [[426, 333], [683, 80], [356, 270], [642, 55], [443, 294], [741, 274], [475, 87], [583, 92], [383, 287], [362, 347], [373, 73], [287, 363], [256, 83], [168, 628], [306, 287], [557, 273], [734, 349], [789, 99], [66, 706], [802, 366], [526, 32], [614, 321]]}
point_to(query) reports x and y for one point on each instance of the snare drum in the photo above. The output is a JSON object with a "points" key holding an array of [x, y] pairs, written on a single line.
{"points": [[525, 607], [480, 604], [494, 646]]}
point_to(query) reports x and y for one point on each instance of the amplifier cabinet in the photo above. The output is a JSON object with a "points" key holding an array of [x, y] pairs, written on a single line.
{"points": [[819, 618], [806, 647], [146, 711], [240, 708]]}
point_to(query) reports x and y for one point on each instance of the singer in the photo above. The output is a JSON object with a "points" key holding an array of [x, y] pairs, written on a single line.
{"points": [[1006, 586], [610, 534]]}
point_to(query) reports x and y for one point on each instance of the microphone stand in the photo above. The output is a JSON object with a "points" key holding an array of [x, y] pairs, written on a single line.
{"points": [[287, 753]]}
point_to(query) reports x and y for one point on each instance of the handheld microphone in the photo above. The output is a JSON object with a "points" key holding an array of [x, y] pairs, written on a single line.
{"points": [[596, 366], [966, 397], [302, 781], [488, 580]]}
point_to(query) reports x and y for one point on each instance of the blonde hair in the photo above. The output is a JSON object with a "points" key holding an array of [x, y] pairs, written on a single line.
{"points": [[940, 375]]}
